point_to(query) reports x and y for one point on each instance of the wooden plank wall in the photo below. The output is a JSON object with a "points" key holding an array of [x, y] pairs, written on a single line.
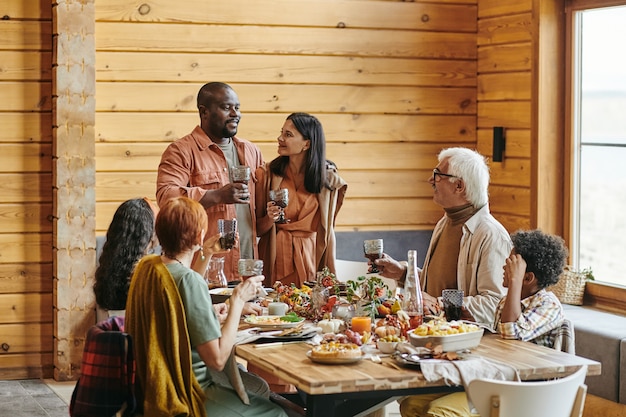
{"points": [[393, 82], [26, 314], [505, 59]]}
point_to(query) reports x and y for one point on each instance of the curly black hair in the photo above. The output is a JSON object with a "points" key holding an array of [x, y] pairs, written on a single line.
{"points": [[545, 254], [127, 240]]}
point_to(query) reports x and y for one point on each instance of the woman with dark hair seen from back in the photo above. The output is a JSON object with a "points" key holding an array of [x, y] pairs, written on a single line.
{"points": [[293, 252], [129, 237]]}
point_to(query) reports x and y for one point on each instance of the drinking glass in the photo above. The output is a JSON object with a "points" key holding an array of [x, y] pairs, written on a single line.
{"points": [[373, 249], [281, 198], [240, 174], [250, 267], [215, 276], [452, 303], [228, 232]]}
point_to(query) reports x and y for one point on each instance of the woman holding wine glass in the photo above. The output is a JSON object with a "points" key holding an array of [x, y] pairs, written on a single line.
{"points": [[295, 248]]}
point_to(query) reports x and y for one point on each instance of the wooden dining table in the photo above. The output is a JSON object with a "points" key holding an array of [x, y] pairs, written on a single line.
{"points": [[359, 388]]}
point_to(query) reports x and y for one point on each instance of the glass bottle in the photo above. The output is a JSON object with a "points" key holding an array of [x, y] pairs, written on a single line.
{"points": [[215, 276], [412, 302]]}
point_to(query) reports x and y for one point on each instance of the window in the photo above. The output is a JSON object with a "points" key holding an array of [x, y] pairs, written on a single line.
{"points": [[599, 142]]}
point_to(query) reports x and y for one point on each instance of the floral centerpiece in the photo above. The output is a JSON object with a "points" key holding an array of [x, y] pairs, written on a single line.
{"points": [[310, 301], [368, 293]]}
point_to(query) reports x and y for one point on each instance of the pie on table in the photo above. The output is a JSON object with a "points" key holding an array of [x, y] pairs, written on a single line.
{"points": [[336, 350]]}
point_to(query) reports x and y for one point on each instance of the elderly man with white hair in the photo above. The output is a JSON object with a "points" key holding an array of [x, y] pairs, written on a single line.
{"points": [[468, 245]]}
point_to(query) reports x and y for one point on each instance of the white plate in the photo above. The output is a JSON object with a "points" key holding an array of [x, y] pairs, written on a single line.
{"points": [[334, 361], [221, 291], [265, 323], [451, 342], [229, 291]]}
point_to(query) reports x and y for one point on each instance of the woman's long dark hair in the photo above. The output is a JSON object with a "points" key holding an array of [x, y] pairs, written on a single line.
{"points": [[315, 161], [127, 239]]}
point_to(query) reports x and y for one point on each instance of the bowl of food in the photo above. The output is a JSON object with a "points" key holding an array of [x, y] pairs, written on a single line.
{"points": [[385, 346], [452, 336]]}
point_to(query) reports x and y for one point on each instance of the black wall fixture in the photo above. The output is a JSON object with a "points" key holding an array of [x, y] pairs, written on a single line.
{"points": [[498, 143]]}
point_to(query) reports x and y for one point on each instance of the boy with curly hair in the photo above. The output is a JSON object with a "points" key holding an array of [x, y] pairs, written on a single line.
{"points": [[529, 312]]}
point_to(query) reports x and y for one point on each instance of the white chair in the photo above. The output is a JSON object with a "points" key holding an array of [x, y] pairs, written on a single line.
{"points": [[564, 397]]}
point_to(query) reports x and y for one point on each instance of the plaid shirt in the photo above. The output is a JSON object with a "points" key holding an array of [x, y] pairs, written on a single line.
{"points": [[107, 372], [541, 314]]}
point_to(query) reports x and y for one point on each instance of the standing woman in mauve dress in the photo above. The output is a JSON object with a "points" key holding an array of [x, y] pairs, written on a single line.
{"points": [[293, 252]]}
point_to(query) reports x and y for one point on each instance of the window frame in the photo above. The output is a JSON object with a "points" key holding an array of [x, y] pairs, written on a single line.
{"points": [[603, 295]]}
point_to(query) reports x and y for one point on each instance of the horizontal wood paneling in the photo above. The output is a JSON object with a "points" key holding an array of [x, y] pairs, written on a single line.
{"points": [[488, 8], [26, 157], [506, 29], [25, 308], [20, 248], [392, 128], [26, 9], [26, 187], [362, 183], [281, 98], [110, 186], [505, 58], [20, 65], [145, 156], [25, 35], [513, 172], [510, 200], [25, 127], [301, 69], [369, 213], [392, 83], [26, 365], [283, 40], [504, 86], [21, 338], [26, 250], [320, 13], [512, 223], [29, 96], [25, 277], [24, 218], [511, 114]]}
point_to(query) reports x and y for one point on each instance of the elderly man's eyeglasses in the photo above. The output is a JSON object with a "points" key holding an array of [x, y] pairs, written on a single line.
{"points": [[438, 174]]}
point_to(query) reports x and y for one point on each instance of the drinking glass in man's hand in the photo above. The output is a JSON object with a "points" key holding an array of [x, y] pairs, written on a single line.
{"points": [[228, 232], [373, 250], [452, 303], [241, 175]]}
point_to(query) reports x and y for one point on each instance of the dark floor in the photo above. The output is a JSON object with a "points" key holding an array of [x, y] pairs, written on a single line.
{"points": [[30, 398]]}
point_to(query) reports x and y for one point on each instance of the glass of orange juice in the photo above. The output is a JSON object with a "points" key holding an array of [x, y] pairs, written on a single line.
{"points": [[361, 324]]}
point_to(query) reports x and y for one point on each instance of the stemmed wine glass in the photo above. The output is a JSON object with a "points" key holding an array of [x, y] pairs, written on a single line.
{"points": [[281, 198], [373, 249]]}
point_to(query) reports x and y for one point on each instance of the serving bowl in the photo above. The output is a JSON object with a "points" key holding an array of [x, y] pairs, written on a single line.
{"points": [[450, 342], [386, 347]]}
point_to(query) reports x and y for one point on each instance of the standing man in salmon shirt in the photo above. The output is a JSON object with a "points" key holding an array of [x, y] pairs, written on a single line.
{"points": [[197, 166]]}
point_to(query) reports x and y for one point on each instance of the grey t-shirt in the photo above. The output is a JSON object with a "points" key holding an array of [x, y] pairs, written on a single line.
{"points": [[244, 219]]}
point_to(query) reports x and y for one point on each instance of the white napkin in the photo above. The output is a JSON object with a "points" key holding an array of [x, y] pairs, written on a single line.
{"points": [[461, 372]]}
